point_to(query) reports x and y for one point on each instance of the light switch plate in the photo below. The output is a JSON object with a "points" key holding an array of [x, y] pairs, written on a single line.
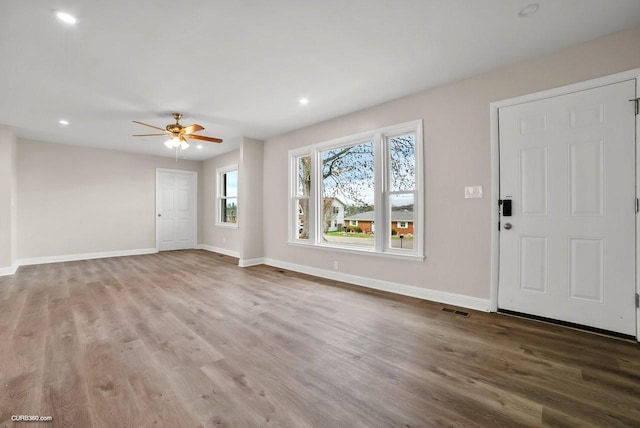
{"points": [[472, 192]]}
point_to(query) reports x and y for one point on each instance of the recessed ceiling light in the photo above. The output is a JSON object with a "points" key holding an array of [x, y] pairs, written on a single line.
{"points": [[199, 146], [529, 10], [304, 101], [63, 122], [66, 18]]}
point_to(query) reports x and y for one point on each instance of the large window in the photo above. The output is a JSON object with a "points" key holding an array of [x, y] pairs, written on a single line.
{"points": [[360, 193], [227, 201]]}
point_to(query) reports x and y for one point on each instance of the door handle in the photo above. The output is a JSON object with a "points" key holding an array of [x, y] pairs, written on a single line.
{"points": [[507, 226], [159, 215]]}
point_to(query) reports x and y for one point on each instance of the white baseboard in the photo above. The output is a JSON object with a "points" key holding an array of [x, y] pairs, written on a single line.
{"points": [[251, 262], [392, 287], [226, 252], [9, 270], [84, 256]]}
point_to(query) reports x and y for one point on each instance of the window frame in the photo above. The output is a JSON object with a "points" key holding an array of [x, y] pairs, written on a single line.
{"points": [[382, 193], [221, 199]]}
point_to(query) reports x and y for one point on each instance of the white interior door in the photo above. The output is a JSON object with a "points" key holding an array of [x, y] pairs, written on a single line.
{"points": [[176, 210], [568, 165]]}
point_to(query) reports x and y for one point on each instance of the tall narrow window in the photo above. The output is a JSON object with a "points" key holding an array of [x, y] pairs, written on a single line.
{"points": [[301, 196], [402, 190], [228, 196], [361, 193]]}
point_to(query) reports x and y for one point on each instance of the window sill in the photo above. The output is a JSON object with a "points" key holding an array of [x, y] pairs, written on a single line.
{"points": [[227, 225], [341, 249]]}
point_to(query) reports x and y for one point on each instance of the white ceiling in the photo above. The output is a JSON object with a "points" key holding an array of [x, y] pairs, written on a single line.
{"points": [[238, 67]]}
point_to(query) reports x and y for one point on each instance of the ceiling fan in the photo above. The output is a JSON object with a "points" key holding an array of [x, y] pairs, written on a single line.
{"points": [[178, 134]]}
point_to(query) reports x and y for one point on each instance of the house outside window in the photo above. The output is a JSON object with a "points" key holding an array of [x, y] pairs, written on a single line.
{"points": [[227, 197], [402, 225]]}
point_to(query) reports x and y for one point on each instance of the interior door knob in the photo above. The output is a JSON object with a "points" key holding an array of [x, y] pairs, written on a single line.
{"points": [[159, 215], [507, 226]]}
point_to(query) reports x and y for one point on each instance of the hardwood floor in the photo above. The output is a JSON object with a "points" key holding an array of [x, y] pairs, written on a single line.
{"points": [[188, 339]]}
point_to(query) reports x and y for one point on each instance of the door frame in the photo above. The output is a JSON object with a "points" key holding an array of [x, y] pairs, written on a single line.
{"points": [[495, 168], [194, 175]]}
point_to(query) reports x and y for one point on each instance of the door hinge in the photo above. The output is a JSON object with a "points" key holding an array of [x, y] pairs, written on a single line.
{"points": [[637, 300], [637, 103], [637, 205]]}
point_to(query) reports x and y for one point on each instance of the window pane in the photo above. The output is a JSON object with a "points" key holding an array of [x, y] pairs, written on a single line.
{"points": [[302, 225], [347, 174], [402, 151], [303, 177], [402, 230], [347, 195], [229, 212], [230, 184]]}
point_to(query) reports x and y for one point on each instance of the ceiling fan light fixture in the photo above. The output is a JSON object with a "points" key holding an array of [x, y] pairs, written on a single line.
{"points": [[184, 145], [172, 142]]}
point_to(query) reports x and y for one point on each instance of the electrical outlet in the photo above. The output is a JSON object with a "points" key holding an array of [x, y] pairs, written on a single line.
{"points": [[224, 239], [335, 265]]}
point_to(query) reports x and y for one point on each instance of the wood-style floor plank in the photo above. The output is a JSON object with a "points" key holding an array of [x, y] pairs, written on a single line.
{"points": [[65, 396], [21, 378], [188, 339]]}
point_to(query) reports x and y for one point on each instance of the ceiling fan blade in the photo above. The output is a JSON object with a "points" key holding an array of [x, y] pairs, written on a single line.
{"points": [[203, 138], [192, 128], [145, 124], [149, 135]]}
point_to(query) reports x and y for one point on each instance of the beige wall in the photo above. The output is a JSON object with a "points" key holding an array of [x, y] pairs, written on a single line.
{"points": [[218, 237], [75, 200], [251, 215], [8, 195], [457, 153]]}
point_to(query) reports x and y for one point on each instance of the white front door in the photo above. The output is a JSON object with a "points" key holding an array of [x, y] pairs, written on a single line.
{"points": [[567, 163], [176, 209]]}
